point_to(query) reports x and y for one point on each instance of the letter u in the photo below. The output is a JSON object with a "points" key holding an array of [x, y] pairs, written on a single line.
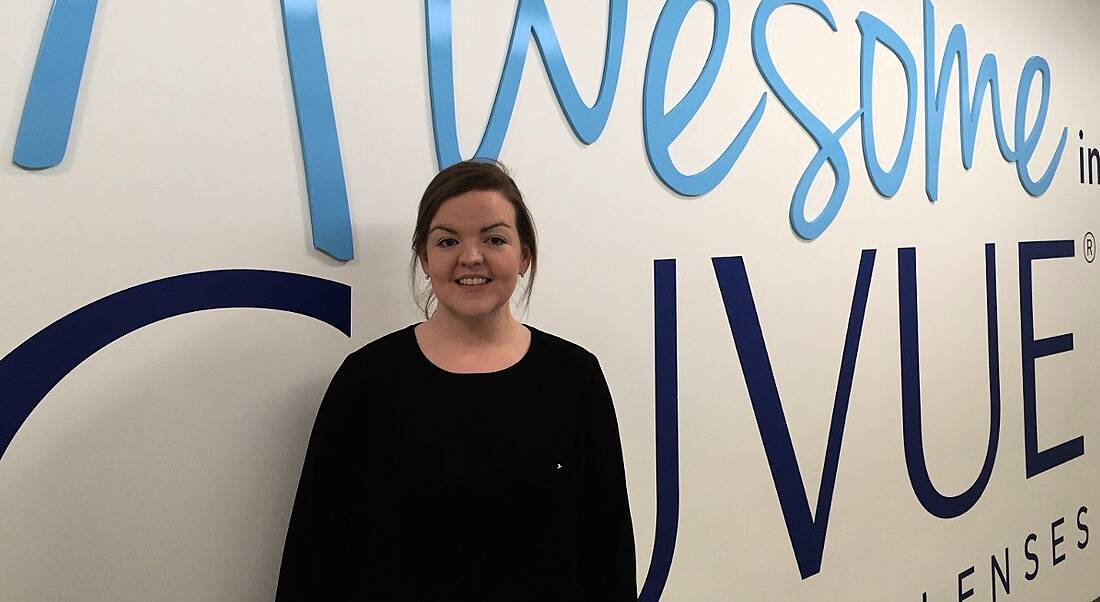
{"points": [[936, 503]]}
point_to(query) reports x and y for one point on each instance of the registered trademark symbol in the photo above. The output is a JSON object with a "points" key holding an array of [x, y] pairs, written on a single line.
{"points": [[1090, 247]]}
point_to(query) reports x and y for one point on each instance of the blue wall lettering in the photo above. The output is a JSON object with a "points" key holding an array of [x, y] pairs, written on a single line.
{"points": [[873, 31], [1026, 143], [33, 368], [667, 429], [827, 140], [51, 103], [660, 128], [970, 111], [532, 18], [51, 98], [325, 185], [1038, 462], [933, 501], [806, 530]]}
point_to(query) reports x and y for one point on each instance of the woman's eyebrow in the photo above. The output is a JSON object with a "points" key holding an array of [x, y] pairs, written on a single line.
{"points": [[496, 225], [446, 228]]}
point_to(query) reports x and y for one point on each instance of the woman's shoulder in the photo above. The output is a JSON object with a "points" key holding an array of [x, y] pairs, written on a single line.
{"points": [[388, 347], [561, 349]]}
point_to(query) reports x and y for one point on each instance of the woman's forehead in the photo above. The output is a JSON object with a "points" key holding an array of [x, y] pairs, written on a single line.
{"points": [[475, 209]]}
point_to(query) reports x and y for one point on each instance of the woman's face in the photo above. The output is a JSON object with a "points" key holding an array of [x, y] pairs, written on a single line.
{"points": [[474, 255]]}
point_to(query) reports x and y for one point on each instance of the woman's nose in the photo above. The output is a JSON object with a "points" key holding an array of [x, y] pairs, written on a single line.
{"points": [[470, 255]]}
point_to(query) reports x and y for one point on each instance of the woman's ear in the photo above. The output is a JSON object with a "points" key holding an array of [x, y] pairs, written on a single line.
{"points": [[424, 265], [525, 263]]}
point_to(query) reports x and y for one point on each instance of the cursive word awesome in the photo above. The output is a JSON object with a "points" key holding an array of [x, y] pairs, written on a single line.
{"points": [[51, 100]]}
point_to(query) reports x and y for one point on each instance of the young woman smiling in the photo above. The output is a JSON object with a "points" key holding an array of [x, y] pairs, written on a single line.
{"points": [[470, 456]]}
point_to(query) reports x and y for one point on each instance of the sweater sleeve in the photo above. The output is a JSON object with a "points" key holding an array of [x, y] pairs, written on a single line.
{"points": [[607, 534], [315, 553]]}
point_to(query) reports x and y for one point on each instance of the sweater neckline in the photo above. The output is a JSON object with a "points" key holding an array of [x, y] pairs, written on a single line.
{"points": [[410, 330]]}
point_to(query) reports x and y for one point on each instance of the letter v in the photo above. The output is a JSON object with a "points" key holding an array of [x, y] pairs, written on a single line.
{"points": [[807, 532]]}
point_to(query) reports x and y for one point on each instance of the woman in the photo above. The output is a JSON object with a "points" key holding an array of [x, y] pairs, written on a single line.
{"points": [[467, 457]]}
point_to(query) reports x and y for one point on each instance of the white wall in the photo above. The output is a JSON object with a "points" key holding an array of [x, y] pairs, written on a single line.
{"points": [[164, 467]]}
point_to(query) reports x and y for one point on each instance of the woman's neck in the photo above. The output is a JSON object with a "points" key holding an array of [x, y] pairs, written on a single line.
{"points": [[488, 330], [482, 345]]}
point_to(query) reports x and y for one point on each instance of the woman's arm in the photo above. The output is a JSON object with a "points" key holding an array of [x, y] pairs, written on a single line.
{"points": [[315, 555], [607, 534]]}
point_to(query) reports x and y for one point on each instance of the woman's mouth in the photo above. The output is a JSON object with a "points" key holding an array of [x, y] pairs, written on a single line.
{"points": [[472, 280]]}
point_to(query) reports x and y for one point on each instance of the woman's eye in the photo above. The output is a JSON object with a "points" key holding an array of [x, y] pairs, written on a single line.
{"points": [[496, 241], [446, 242]]}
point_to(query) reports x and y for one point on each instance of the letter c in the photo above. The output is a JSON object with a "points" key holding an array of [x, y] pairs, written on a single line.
{"points": [[33, 368]]}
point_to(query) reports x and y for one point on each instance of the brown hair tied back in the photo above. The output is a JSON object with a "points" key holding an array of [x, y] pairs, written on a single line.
{"points": [[466, 176]]}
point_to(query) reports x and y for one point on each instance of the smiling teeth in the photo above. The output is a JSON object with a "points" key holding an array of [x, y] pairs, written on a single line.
{"points": [[472, 281]]}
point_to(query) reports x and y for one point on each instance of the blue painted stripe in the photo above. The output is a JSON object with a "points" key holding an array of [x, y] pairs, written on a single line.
{"points": [[328, 195], [51, 99]]}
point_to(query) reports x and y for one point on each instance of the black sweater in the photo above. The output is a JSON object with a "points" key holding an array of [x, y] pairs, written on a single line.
{"points": [[425, 485]]}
